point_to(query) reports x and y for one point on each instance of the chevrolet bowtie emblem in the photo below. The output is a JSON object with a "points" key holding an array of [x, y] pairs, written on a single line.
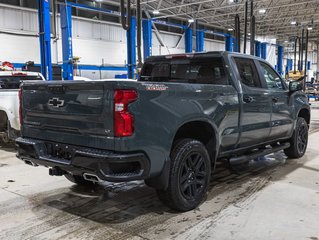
{"points": [[56, 102]]}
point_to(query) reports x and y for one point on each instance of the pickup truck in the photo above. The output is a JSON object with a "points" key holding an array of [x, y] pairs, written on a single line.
{"points": [[9, 102], [169, 128]]}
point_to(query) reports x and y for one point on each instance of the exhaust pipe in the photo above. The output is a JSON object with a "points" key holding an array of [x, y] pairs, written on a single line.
{"points": [[30, 163], [91, 177]]}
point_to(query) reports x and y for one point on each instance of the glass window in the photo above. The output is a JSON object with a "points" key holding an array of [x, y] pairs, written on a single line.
{"points": [[271, 77], [198, 71], [13, 82], [248, 72]]}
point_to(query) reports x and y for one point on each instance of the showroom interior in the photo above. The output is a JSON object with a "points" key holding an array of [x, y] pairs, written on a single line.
{"points": [[159, 119]]}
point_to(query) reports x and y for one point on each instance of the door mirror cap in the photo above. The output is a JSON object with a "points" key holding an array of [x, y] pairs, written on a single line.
{"points": [[295, 86]]}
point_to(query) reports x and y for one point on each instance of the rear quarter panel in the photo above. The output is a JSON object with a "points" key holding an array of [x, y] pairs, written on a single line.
{"points": [[162, 108], [9, 103]]}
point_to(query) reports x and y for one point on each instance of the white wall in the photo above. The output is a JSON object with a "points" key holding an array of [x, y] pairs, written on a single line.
{"points": [[94, 41]]}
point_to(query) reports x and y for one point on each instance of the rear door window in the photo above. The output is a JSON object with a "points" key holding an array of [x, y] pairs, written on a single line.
{"points": [[248, 72], [197, 71]]}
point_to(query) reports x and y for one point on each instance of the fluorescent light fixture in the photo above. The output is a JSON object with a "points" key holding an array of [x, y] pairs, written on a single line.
{"points": [[286, 41], [155, 12], [309, 28], [191, 20], [262, 11], [293, 22], [230, 29]]}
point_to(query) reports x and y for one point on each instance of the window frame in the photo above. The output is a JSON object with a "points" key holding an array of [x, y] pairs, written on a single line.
{"points": [[197, 60], [285, 87], [257, 68]]}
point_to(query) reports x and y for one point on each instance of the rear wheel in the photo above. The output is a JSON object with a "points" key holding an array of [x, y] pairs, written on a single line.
{"points": [[299, 140], [189, 176], [78, 179]]}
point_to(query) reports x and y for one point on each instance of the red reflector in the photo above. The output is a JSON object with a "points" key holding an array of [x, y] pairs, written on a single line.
{"points": [[123, 119], [19, 74]]}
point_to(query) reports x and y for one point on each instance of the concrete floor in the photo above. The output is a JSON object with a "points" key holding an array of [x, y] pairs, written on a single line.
{"points": [[273, 199]]}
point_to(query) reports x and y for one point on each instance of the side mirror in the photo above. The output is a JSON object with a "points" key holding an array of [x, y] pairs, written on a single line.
{"points": [[295, 86]]}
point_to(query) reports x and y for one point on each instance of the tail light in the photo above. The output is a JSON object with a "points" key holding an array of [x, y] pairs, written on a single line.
{"points": [[20, 106], [123, 119]]}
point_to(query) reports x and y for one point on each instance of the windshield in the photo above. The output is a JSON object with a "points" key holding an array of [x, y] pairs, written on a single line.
{"points": [[13, 82]]}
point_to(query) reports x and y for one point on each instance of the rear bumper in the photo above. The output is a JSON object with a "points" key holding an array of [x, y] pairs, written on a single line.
{"points": [[106, 165]]}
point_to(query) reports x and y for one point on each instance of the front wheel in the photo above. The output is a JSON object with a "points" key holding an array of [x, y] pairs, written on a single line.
{"points": [[299, 140], [189, 176]]}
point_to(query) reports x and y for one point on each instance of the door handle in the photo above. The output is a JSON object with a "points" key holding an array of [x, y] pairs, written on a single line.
{"points": [[248, 99], [275, 99]]}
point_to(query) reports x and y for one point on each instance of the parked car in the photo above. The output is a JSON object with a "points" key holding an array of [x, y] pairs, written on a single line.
{"points": [[9, 102], [312, 92], [168, 128]]}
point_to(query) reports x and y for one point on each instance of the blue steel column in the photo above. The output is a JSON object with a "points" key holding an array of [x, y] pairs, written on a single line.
{"points": [[188, 40], [45, 38], [200, 41], [131, 48], [264, 50], [280, 59], [147, 38], [290, 64], [258, 48], [229, 43], [67, 49]]}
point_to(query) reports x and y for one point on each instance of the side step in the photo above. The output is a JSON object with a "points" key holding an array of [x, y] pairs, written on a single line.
{"points": [[246, 158]]}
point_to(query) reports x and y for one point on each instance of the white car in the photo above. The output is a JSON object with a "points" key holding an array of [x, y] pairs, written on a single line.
{"points": [[9, 101]]}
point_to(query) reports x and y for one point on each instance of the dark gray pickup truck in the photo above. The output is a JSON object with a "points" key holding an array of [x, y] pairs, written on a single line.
{"points": [[168, 128]]}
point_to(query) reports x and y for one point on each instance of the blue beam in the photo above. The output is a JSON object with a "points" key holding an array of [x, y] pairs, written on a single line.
{"points": [[188, 40], [45, 38], [200, 43], [264, 50], [229, 43], [290, 64], [67, 50], [280, 58], [147, 38], [258, 48], [309, 65], [131, 48]]}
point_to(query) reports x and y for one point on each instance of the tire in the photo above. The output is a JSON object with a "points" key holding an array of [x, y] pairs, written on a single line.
{"points": [[189, 176], [299, 140], [79, 180]]}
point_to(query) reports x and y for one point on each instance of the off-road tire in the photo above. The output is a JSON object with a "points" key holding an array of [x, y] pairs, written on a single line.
{"points": [[189, 176], [299, 140]]}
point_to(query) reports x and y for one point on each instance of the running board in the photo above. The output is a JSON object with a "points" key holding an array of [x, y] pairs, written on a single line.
{"points": [[246, 158]]}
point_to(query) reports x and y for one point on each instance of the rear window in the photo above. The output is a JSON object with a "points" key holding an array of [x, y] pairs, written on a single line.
{"points": [[198, 71], [13, 82]]}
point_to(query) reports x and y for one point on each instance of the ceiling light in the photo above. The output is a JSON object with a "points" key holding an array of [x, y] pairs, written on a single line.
{"points": [[230, 29], [309, 28], [155, 12], [286, 41], [262, 11], [293, 22], [191, 20]]}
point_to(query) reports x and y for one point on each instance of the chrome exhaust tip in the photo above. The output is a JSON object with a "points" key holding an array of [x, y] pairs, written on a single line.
{"points": [[91, 177], [28, 162]]}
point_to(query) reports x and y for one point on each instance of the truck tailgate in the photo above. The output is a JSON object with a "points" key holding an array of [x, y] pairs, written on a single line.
{"points": [[69, 112]]}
